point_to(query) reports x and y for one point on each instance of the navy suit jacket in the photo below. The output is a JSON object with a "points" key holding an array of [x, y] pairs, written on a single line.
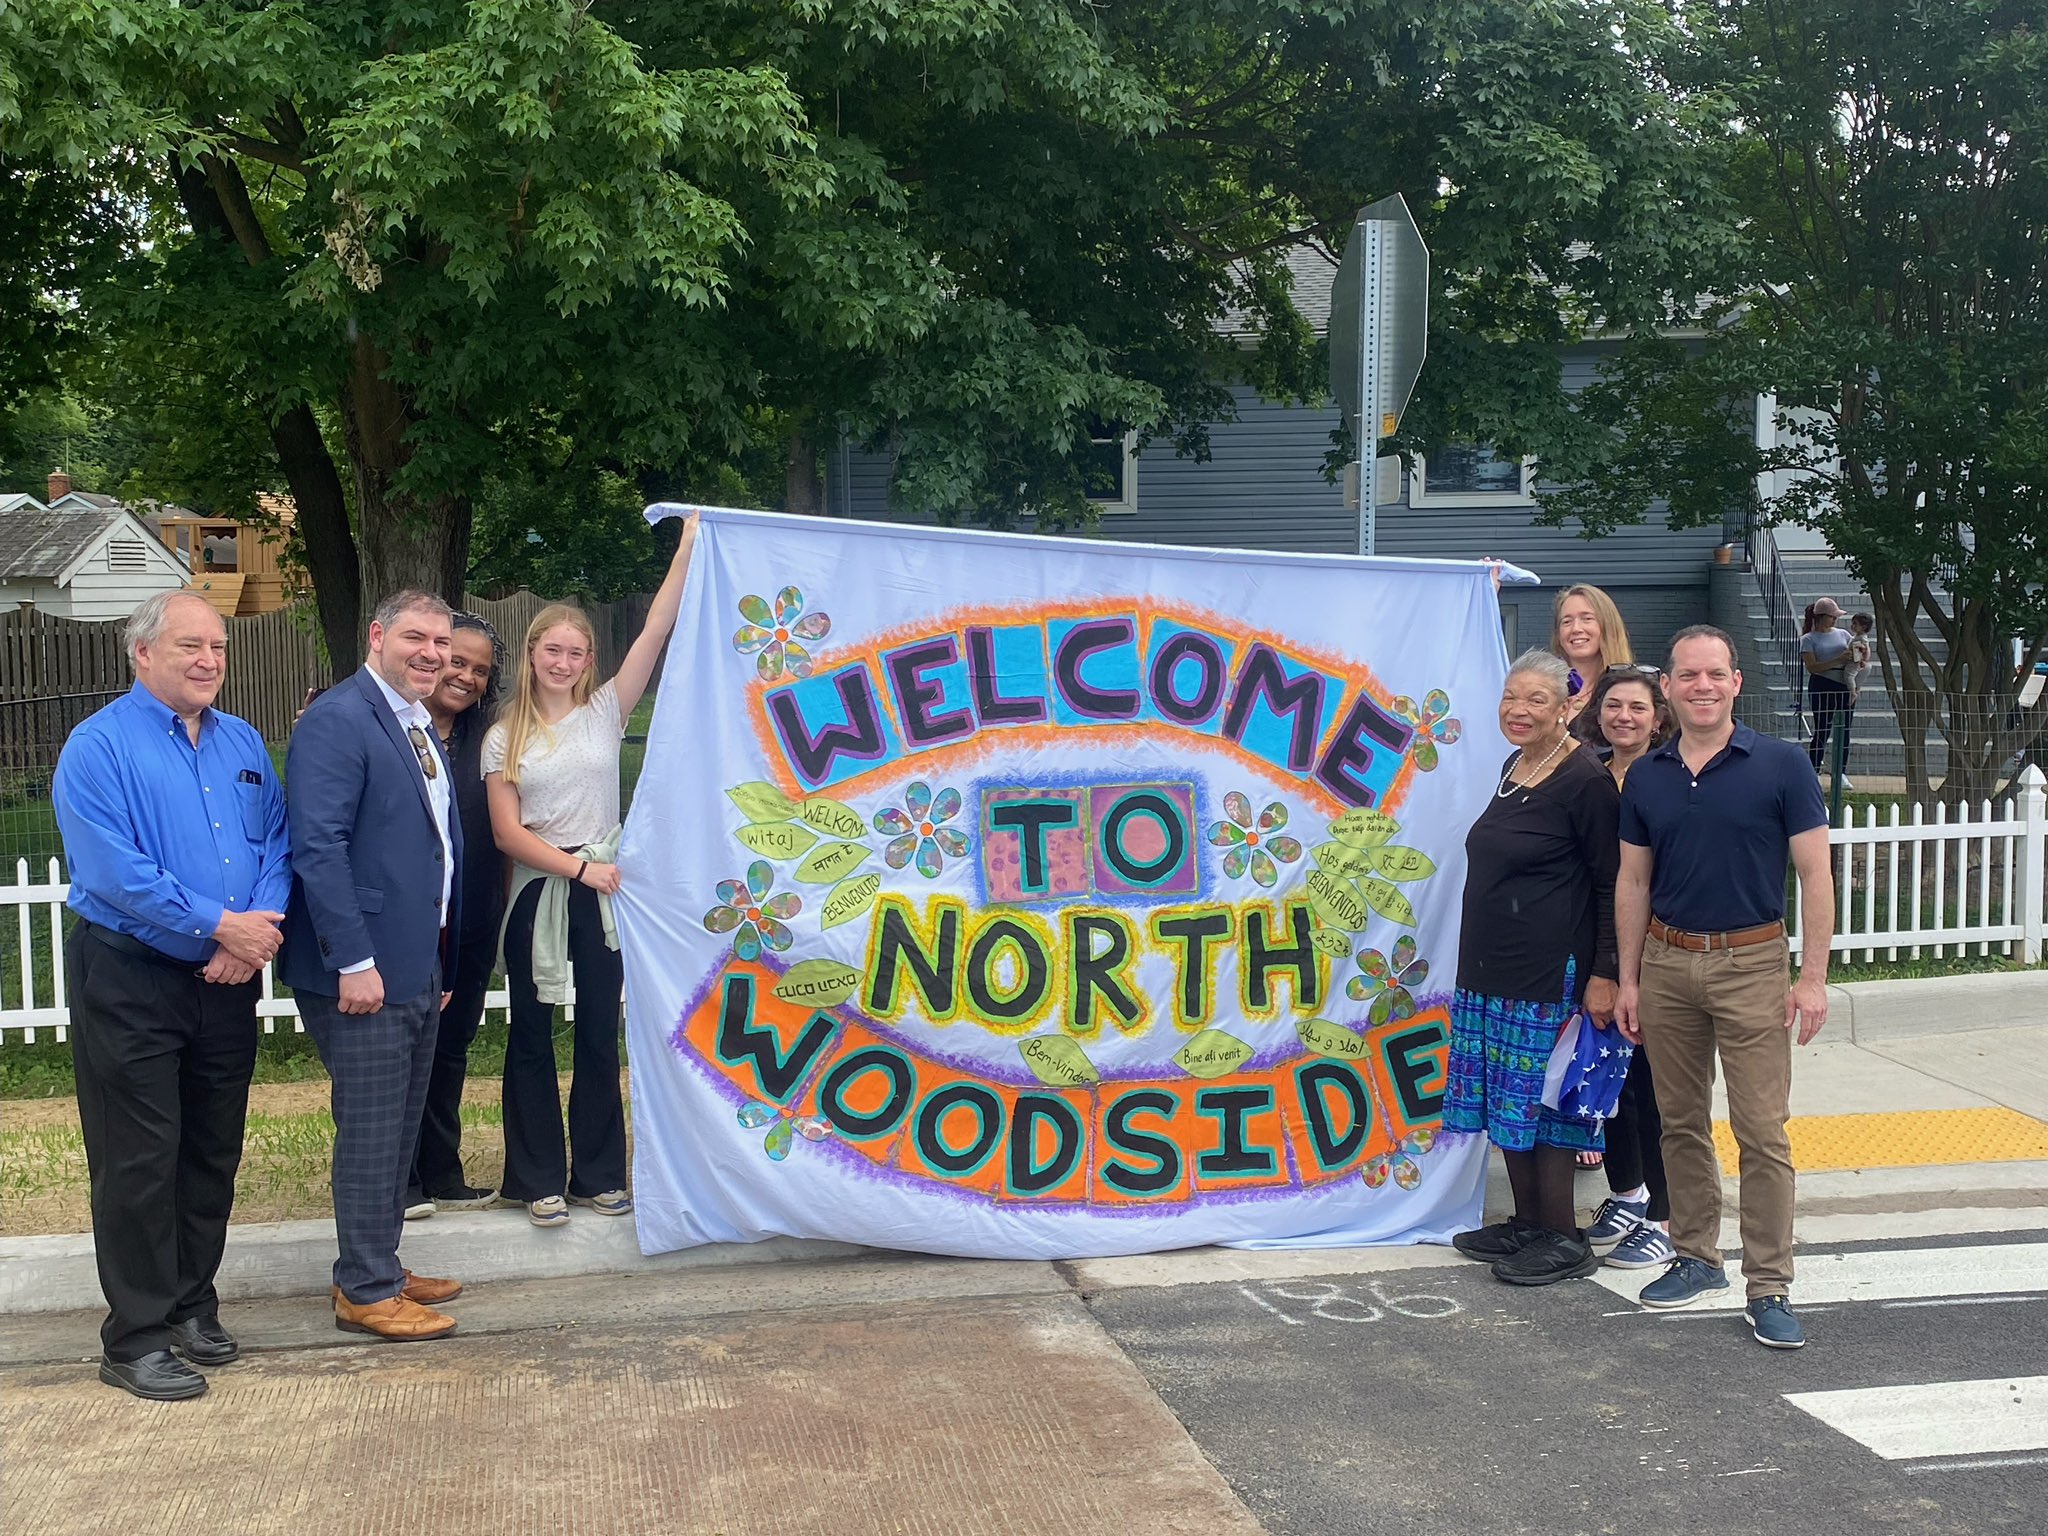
{"points": [[366, 861]]}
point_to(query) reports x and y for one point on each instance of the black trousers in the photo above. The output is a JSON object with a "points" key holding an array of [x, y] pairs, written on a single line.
{"points": [[1825, 699], [163, 1061], [437, 1165], [535, 1164], [1635, 1139]]}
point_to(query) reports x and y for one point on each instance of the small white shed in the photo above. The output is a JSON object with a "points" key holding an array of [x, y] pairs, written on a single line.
{"points": [[82, 564]]}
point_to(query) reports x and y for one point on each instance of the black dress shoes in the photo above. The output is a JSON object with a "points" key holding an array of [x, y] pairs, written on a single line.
{"points": [[203, 1341], [159, 1375]]}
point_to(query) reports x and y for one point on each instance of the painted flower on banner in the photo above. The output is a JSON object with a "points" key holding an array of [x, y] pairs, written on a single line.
{"points": [[772, 636], [1389, 983], [1251, 841], [1403, 1164], [783, 1129], [1432, 723], [751, 915], [918, 828]]}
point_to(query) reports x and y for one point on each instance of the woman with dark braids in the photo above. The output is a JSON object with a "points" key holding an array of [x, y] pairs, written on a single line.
{"points": [[462, 705]]}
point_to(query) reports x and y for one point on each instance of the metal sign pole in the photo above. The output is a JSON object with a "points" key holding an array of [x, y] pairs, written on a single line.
{"points": [[1379, 327], [1367, 422]]}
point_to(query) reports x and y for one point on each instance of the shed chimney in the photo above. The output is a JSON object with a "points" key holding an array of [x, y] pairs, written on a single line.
{"points": [[60, 484]]}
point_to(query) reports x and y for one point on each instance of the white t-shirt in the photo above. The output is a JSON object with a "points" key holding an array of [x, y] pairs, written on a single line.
{"points": [[569, 775]]}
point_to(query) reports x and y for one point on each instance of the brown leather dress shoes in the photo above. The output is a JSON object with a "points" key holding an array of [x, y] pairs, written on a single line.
{"points": [[392, 1318], [428, 1291]]}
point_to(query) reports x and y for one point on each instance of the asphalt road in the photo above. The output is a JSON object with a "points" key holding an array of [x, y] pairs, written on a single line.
{"points": [[1442, 1403]]}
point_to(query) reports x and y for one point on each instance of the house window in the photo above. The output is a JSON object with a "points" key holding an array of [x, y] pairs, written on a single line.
{"points": [[1110, 471], [126, 555], [1471, 475]]}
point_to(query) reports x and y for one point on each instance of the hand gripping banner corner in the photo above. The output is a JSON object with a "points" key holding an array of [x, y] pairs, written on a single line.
{"points": [[1025, 897]]}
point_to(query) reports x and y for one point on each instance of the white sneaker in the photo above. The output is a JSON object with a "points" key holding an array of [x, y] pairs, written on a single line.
{"points": [[419, 1210], [548, 1211], [611, 1202]]}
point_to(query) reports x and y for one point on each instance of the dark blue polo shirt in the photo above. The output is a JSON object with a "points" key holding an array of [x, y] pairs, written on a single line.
{"points": [[1719, 843]]}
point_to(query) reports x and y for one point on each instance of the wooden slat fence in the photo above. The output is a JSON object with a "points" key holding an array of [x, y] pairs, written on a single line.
{"points": [[56, 671]]}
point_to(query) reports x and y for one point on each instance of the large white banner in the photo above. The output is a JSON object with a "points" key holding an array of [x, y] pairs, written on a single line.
{"points": [[1029, 897]]}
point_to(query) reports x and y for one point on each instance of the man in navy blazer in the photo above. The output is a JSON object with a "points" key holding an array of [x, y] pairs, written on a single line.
{"points": [[375, 848]]}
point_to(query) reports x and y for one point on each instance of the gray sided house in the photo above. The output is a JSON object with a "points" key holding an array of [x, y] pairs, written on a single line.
{"points": [[1263, 488]]}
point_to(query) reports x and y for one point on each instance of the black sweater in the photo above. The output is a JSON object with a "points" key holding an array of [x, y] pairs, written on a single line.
{"points": [[1539, 885]]}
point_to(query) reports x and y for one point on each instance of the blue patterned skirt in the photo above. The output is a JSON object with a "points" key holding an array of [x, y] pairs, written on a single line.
{"points": [[1499, 1050]]}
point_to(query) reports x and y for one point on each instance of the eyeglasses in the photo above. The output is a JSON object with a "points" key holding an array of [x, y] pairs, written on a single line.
{"points": [[1631, 668], [423, 749]]}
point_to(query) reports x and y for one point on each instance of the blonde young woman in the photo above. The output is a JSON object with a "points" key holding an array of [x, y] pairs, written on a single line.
{"points": [[551, 771], [1586, 630]]}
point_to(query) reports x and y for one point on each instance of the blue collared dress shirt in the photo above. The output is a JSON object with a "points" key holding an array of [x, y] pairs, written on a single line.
{"points": [[162, 836]]}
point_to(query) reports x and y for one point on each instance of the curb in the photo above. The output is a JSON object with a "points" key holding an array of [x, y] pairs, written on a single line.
{"points": [[1879, 1011], [296, 1258]]}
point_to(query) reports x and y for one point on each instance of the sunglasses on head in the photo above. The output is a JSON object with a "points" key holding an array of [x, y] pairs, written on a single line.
{"points": [[1634, 668]]}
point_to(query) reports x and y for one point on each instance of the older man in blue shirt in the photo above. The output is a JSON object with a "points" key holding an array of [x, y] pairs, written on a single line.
{"points": [[174, 827]]}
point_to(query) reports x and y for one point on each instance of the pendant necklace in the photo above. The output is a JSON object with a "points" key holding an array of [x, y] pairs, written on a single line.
{"points": [[1507, 781]]}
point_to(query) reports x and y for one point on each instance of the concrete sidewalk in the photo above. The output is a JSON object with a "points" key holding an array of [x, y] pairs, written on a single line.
{"points": [[1923, 1097]]}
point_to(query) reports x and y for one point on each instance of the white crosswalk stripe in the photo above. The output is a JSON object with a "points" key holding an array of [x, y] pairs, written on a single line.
{"points": [[1990, 1269], [2001, 1415]]}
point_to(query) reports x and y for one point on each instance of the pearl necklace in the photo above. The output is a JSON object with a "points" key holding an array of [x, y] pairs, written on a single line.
{"points": [[1507, 781]]}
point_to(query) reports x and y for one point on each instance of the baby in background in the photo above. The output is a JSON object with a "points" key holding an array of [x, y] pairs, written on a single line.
{"points": [[1861, 627]]}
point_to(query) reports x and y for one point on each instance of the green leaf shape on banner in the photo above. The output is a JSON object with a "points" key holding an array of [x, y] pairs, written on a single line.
{"points": [[831, 861], [1058, 1062], [762, 801], [1401, 863], [1340, 861], [1331, 941], [1363, 827], [818, 983], [1328, 1038], [849, 898], [775, 839], [832, 818], [1388, 901], [1336, 902], [1212, 1053]]}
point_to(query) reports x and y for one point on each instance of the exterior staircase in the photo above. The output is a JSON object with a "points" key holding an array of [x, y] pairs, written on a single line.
{"points": [[1766, 601]]}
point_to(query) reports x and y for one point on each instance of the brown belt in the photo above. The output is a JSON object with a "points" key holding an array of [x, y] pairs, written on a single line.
{"points": [[1739, 938]]}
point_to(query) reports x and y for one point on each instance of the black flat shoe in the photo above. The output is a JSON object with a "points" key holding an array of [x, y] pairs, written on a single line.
{"points": [[203, 1341], [159, 1376]]}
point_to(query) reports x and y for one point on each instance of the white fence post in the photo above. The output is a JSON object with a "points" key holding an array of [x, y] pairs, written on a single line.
{"points": [[2033, 807]]}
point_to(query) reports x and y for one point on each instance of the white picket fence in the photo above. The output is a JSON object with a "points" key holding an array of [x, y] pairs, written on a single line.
{"points": [[32, 966], [1953, 882]]}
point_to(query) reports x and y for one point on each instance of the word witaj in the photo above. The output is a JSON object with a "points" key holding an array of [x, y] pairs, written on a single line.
{"points": [[1302, 1123], [1114, 670]]}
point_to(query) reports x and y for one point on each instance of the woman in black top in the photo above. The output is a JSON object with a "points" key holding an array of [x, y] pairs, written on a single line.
{"points": [[462, 705], [1537, 944]]}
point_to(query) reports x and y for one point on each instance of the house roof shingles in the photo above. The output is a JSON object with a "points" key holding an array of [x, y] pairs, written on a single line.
{"points": [[42, 546]]}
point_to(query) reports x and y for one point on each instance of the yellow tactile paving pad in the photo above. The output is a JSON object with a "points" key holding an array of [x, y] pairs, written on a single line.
{"points": [[1906, 1139]]}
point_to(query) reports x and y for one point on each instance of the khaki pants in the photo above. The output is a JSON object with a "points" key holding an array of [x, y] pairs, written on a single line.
{"points": [[1733, 1001]]}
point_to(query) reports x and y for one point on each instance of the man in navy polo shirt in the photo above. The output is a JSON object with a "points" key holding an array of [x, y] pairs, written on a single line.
{"points": [[1707, 822]]}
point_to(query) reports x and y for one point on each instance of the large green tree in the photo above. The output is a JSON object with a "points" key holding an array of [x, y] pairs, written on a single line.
{"points": [[1891, 166], [438, 245]]}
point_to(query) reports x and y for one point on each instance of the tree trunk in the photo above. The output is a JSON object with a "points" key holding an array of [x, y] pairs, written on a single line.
{"points": [[406, 540], [217, 203], [803, 488], [322, 517]]}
